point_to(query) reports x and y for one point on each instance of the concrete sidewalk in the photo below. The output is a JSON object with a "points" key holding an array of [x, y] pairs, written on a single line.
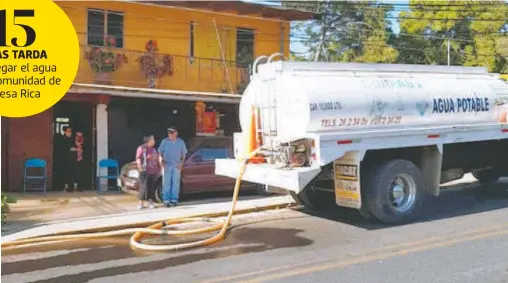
{"points": [[35, 209], [67, 224]]}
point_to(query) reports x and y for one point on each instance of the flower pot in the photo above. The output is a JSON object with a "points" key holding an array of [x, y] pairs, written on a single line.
{"points": [[103, 78]]}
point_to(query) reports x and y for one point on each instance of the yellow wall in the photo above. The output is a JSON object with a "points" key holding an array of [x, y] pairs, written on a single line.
{"points": [[170, 27]]}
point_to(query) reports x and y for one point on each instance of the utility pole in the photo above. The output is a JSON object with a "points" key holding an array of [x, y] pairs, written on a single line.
{"points": [[448, 47]]}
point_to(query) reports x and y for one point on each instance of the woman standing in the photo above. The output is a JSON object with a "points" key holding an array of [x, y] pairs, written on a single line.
{"points": [[147, 160]]}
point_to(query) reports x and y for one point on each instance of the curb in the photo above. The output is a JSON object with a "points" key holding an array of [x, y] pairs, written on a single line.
{"points": [[138, 224]]}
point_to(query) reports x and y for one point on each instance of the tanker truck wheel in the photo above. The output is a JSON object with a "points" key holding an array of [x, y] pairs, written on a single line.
{"points": [[315, 199], [486, 176], [395, 192]]}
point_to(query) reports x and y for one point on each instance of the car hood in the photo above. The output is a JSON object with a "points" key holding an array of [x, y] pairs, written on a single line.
{"points": [[129, 166]]}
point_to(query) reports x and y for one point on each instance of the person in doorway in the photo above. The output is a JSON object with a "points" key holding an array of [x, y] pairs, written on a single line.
{"points": [[68, 151], [147, 160], [172, 152]]}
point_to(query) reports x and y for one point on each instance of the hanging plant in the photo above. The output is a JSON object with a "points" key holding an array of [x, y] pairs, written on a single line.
{"points": [[103, 60], [153, 65]]}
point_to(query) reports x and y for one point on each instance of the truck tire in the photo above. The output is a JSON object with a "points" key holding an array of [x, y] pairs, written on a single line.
{"points": [[395, 192], [314, 199], [486, 176], [365, 213]]}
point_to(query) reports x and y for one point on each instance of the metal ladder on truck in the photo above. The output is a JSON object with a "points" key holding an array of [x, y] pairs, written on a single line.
{"points": [[266, 105]]}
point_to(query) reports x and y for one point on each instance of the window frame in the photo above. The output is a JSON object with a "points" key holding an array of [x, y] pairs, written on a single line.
{"points": [[253, 31], [192, 40], [105, 13]]}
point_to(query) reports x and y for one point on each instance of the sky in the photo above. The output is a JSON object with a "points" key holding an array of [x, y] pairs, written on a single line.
{"points": [[300, 49]]}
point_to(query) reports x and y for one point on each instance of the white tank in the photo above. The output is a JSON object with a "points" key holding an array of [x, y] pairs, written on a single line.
{"points": [[324, 97]]}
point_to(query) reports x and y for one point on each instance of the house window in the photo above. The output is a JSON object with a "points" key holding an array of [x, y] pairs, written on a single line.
{"points": [[244, 47], [103, 24], [191, 37]]}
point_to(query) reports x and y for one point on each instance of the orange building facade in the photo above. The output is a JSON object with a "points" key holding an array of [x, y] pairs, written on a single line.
{"points": [[144, 65]]}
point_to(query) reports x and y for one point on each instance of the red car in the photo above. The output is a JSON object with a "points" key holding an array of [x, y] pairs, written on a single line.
{"points": [[198, 172]]}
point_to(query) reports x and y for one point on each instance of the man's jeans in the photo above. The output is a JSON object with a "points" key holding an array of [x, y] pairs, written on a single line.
{"points": [[171, 184]]}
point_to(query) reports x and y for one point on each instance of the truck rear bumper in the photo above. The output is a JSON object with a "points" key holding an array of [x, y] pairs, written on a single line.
{"points": [[292, 179]]}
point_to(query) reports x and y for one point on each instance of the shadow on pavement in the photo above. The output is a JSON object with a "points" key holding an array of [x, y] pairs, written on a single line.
{"points": [[456, 200], [244, 240], [11, 227]]}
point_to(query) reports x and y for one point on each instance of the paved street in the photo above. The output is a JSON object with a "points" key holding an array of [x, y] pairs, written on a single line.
{"points": [[463, 237]]}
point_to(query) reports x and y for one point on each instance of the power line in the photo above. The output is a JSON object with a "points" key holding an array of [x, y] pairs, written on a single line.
{"points": [[446, 19], [195, 23], [501, 35], [378, 43], [409, 5], [426, 9], [180, 31], [302, 39], [222, 27]]}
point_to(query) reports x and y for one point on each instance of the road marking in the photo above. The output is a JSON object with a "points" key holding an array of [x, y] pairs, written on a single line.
{"points": [[383, 253], [369, 258], [40, 255]]}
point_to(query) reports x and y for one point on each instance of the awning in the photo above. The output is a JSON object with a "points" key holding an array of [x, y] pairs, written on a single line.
{"points": [[165, 94]]}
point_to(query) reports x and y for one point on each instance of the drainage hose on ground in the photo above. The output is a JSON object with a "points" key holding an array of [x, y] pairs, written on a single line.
{"points": [[156, 229]]}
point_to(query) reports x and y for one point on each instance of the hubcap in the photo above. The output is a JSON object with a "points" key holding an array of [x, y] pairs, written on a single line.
{"points": [[402, 192]]}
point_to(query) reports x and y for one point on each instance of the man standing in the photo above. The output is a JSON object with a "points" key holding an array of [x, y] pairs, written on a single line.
{"points": [[172, 152]]}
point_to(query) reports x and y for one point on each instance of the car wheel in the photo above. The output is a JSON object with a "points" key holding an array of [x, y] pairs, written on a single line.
{"points": [[486, 176], [395, 192], [158, 191]]}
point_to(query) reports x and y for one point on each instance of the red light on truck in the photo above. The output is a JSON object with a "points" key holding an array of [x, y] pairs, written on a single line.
{"points": [[433, 136], [345, 142], [504, 130]]}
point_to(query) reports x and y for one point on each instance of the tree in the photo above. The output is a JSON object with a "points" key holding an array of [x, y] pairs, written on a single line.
{"points": [[485, 51], [470, 27], [329, 27], [373, 42], [339, 31]]}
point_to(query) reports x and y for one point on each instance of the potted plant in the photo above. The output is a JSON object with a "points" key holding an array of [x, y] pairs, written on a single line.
{"points": [[153, 65], [103, 61]]}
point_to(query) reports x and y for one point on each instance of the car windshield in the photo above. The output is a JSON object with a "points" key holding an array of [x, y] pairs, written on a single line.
{"points": [[208, 149], [208, 143], [210, 154]]}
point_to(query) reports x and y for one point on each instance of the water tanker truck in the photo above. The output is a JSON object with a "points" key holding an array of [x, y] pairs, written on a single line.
{"points": [[379, 138]]}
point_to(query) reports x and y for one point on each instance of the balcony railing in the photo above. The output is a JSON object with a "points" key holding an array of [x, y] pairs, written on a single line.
{"points": [[112, 66]]}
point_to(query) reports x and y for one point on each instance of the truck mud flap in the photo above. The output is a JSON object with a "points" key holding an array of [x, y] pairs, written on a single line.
{"points": [[292, 179]]}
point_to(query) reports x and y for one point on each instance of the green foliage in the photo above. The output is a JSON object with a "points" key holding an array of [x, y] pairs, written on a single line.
{"points": [[473, 28], [348, 31], [5, 205], [374, 46], [326, 37], [356, 31]]}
